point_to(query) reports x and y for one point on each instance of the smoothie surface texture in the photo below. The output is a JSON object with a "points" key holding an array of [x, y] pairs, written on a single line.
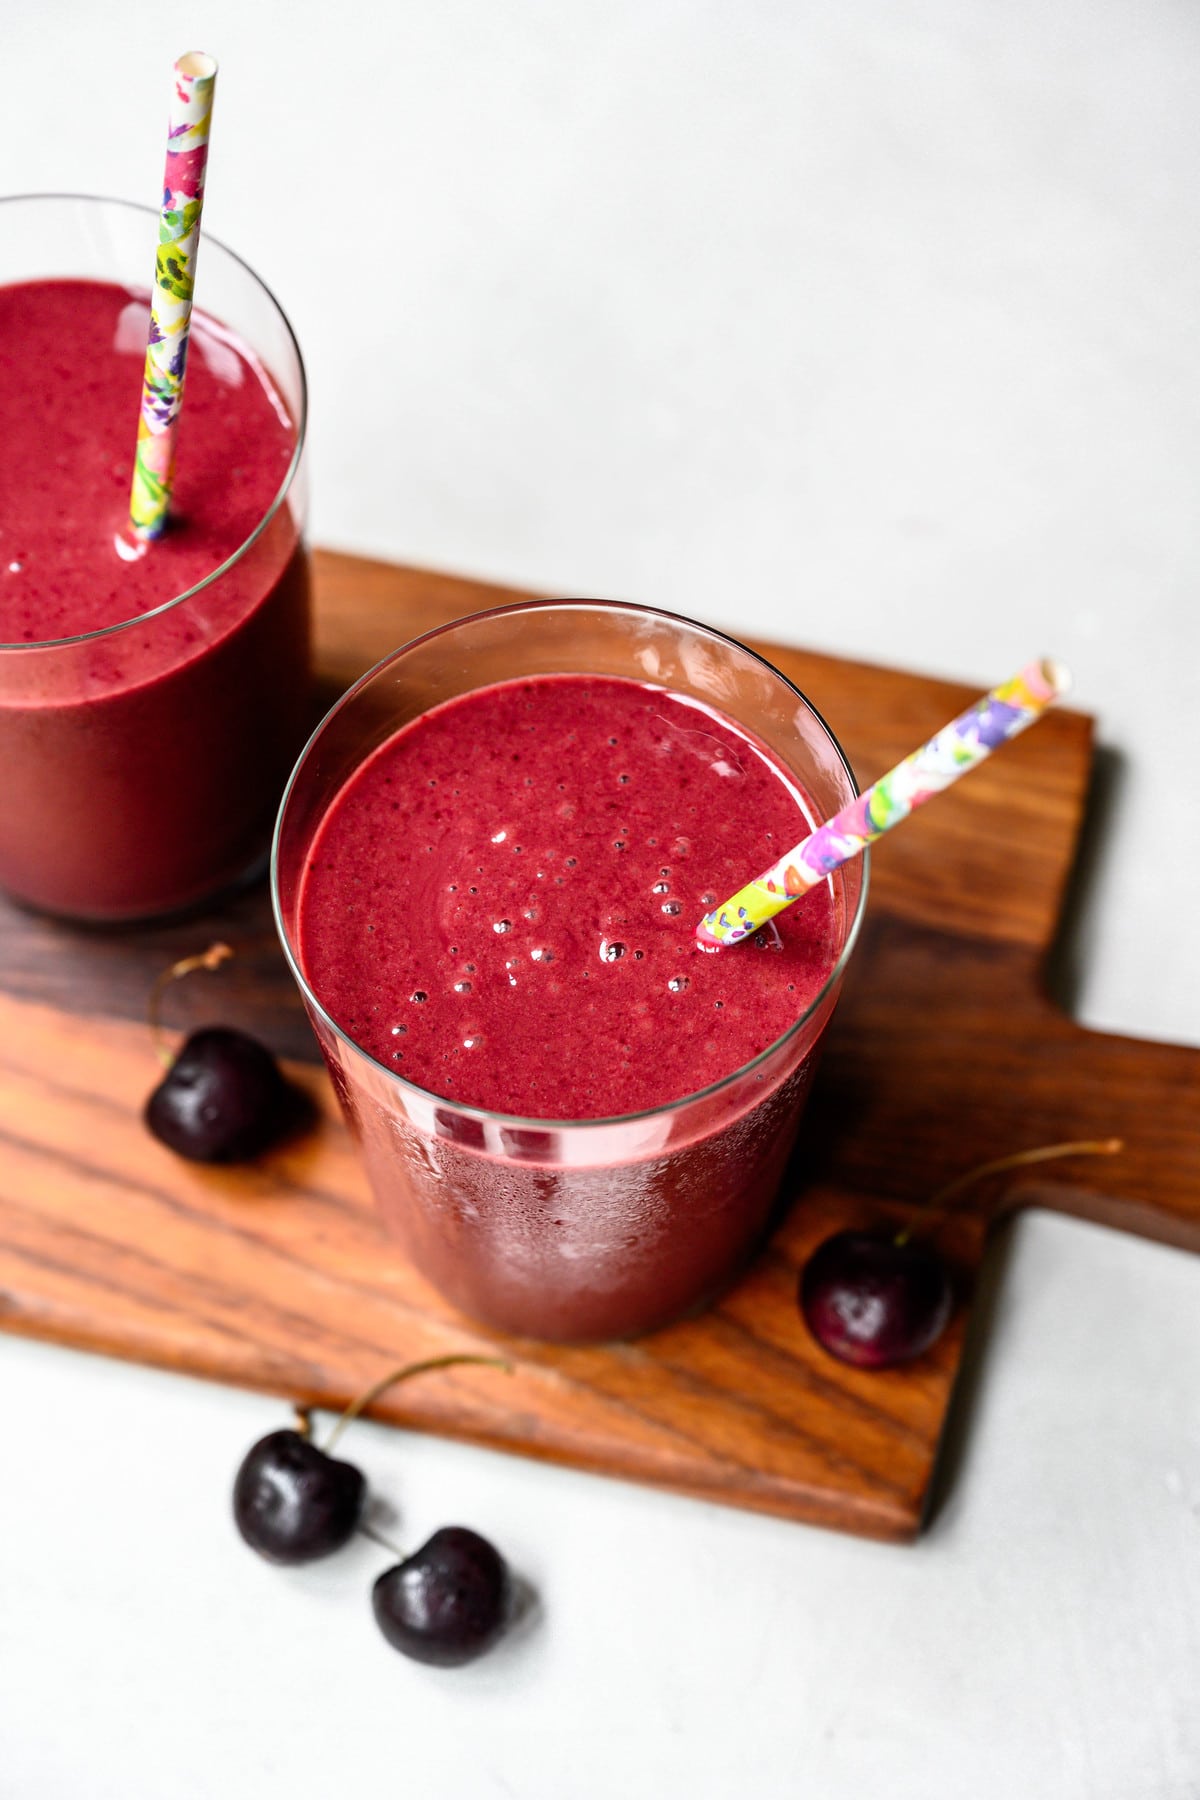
{"points": [[499, 905]]}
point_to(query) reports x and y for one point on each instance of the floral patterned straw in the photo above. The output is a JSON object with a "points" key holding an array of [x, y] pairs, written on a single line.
{"points": [[958, 747], [171, 302]]}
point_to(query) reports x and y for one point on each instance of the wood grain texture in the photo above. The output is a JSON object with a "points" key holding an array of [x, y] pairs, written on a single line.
{"points": [[944, 1052]]}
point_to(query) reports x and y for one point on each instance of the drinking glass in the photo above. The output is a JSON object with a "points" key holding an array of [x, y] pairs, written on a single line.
{"points": [[598, 1228], [143, 763]]}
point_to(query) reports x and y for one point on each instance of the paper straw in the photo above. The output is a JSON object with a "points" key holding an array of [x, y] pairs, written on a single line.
{"points": [[957, 749], [174, 281]]}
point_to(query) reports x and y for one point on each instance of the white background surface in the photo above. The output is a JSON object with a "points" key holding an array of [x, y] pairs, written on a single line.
{"points": [[871, 326]]}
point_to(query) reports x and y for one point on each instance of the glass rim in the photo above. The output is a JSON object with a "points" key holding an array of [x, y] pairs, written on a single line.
{"points": [[521, 1121], [301, 423]]}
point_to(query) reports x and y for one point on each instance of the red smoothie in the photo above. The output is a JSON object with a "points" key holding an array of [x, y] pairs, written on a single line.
{"points": [[142, 766], [499, 905]]}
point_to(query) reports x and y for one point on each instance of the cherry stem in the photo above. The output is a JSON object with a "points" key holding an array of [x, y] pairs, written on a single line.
{"points": [[212, 958], [946, 1196], [303, 1416], [421, 1368], [377, 1537]]}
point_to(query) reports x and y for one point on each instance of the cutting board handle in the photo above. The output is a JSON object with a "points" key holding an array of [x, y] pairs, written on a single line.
{"points": [[1091, 1084]]}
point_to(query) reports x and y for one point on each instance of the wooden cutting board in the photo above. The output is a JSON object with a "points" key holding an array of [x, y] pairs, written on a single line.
{"points": [[945, 1052]]}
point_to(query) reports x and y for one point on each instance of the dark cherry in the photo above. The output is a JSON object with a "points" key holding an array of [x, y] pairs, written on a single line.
{"points": [[221, 1100], [446, 1603], [873, 1300], [292, 1502]]}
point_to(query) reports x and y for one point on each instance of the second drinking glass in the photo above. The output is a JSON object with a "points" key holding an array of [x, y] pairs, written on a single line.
{"points": [[152, 696]]}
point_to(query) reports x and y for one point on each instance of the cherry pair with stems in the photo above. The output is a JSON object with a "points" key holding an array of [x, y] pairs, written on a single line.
{"points": [[293, 1502]]}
